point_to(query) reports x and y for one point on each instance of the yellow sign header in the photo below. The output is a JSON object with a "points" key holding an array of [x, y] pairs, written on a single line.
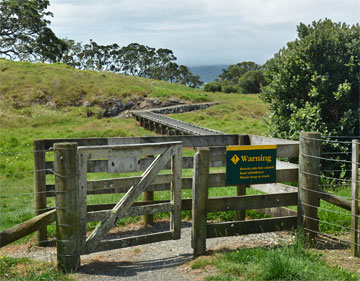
{"points": [[250, 147]]}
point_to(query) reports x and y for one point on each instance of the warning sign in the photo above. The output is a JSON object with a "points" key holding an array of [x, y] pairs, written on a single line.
{"points": [[250, 164]]}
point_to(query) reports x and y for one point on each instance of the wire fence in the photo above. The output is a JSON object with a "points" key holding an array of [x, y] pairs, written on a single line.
{"points": [[335, 178], [17, 193]]}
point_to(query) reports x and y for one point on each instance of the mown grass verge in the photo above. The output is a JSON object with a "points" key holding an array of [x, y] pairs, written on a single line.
{"points": [[288, 262], [24, 269]]}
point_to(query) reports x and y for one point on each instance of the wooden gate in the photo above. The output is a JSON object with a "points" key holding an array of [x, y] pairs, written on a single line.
{"points": [[128, 156], [71, 186]]}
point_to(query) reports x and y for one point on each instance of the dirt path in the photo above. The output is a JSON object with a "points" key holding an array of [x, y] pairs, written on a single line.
{"points": [[164, 260]]}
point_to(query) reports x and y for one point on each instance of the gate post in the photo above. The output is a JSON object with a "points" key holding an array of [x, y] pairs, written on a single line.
{"points": [[309, 177], [355, 197], [199, 198], [40, 188], [67, 211]]}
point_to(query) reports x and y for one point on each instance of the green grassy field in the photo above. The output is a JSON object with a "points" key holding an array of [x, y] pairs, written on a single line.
{"points": [[26, 114], [287, 262]]}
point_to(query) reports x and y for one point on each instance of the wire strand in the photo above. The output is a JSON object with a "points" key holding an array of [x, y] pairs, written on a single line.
{"points": [[326, 235], [328, 210]]}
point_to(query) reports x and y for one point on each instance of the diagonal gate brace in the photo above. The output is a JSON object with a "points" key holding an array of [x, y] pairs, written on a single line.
{"points": [[129, 198]]}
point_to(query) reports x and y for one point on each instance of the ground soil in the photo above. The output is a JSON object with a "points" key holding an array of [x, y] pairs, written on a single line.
{"points": [[171, 260]]}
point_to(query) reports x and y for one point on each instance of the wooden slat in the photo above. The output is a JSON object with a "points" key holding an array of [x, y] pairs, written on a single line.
{"points": [[161, 182], [49, 143], [23, 229], [355, 197], [277, 212], [196, 141], [287, 175], [107, 245], [82, 166], [274, 188], [175, 191], [237, 203], [285, 148], [248, 227], [185, 205], [101, 166], [125, 203], [121, 185], [119, 151], [133, 211]]}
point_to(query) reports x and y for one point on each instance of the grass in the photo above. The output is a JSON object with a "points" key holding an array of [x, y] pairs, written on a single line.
{"points": [[236, 114], [25, 84], [288, 262], [24, 269], [27, 112]]}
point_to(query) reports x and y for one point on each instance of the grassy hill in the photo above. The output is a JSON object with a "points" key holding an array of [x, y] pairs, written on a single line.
{"points": [[36, 95], [40, 101]]}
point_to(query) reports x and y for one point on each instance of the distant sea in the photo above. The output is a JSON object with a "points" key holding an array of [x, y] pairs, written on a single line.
{"points": [[208, 73]]}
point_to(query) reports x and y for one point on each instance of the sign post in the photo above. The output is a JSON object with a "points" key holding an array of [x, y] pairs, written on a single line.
{"points": [[250, 164]]}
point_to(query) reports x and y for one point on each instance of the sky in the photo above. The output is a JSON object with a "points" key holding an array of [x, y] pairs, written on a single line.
{"points": [[199, 32]]}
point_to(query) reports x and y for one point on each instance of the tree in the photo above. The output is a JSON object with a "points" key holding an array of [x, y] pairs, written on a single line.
{"points": [[21, 24], [251, 82], [314, 82], [47, 47], [214, 86], [243, 77], [235, 71], [71, 54]]}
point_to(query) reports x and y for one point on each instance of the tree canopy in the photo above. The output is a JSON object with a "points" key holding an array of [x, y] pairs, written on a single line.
{"points": [[25, 35], [243, 77], [24, 32], [313, 82]]}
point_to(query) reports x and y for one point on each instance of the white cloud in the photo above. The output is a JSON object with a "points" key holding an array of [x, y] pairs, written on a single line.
{"points": [[198, 31]]}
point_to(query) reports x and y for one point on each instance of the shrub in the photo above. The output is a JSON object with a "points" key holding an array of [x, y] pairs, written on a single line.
{"points": [[212, 87]]}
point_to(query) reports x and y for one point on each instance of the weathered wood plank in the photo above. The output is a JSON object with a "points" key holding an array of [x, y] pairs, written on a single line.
{"points": [[274, 188], [277, 212], [248, 227], [107, 245], [40, 187], [287, 175], [122, 185], [125, 203], [149, 209], [355, 197], [199, 202], [188, 141], [195, 141], [162, 182], [185, 205], [285, 148], [68, 234], [23, 229], [119, 151], [309, 171], [175, 191], [83, 198], [237, 203]]}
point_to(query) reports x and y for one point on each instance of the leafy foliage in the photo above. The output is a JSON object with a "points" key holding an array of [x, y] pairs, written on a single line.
{"points": [[24, 33], [243, 77], [314, 82]]}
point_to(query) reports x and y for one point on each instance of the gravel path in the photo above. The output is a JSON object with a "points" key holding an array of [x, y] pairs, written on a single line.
{"points": [[158, 261]]}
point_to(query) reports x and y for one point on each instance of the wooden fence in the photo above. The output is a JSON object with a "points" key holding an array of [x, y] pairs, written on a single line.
{"points": [[102, 155]]}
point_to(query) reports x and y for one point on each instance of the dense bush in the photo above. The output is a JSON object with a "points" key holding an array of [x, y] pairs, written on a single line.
{"points": [[314, 82], [251, 82], [212, 87]]}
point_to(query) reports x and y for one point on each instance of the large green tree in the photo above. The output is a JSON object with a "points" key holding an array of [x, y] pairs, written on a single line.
{"points": [[313, 82], [24, 32]]}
